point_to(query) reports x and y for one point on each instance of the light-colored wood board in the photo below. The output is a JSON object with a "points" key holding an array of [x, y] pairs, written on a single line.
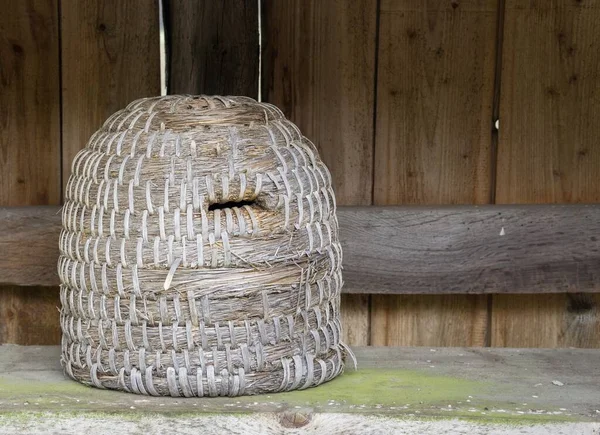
{"points": [[435, 88], [547, 151], [318, 66], [517, 387], [275, 424], [29, 103], [355, 319], [213, 47], [549, 104], [434, 102], [110, 57], [399, 250], [427, 320], [558, 320], [29, 315]]}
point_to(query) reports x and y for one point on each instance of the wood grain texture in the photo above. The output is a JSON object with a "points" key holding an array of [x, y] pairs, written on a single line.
{"points": [[356, 318], [30, 156], [318, 66], [29, 315], [29, 103], [213, 47], [399, 250], [110, 57], [558, 320], [433, 137], [547, 152], [434, 102], [471, 249], [411, 320], [550, 102], [30, 235]]}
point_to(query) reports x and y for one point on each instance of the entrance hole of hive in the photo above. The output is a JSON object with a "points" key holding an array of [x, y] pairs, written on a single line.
{"points": [[230, 204]]}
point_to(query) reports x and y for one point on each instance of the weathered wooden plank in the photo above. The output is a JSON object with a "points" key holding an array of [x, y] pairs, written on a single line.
{"points": [[510, 389], [427, 320], [356, 318], [110, 57], [549, 103], [471, 249], [434, 119], [29, 241], [30, 156], [29, 103], [547, 152], [276, 424], [29, 315], [556, 320], [213, 47], [399, 250], [319, 68], [434, 102]]}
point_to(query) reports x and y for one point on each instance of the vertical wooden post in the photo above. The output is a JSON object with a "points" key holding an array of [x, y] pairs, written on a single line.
{"points": [[434, 120], [29, 148], [548, 151]]}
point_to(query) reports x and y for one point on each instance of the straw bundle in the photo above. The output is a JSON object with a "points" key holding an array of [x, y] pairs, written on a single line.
{"points": [[200, 253]]}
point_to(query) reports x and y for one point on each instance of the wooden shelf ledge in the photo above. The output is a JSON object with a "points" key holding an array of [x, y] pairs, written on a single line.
{"points": [[397, 250], [442, 390]]}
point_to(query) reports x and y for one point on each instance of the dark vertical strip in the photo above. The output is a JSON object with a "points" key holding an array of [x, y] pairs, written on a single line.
{"points": [[496, 99], [375, 75], [376, 72], [213, 47], [60, 101], [263, 44], [166, 14], [494, 143], [162, 48]]}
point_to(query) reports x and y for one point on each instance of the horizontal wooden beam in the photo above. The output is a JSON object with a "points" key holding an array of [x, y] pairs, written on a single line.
{"points": [[471, 249], [397, 250]]}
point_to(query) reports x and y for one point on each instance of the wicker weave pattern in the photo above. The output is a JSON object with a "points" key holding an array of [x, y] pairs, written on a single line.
{"points": [[200, 253]]}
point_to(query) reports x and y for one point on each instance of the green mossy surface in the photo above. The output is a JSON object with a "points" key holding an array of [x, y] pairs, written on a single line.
{"points": [[391, 392], [388, 387], [365, 387]]}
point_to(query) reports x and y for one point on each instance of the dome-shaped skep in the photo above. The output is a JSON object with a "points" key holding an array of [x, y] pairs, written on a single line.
{"points": [[200, 253]]}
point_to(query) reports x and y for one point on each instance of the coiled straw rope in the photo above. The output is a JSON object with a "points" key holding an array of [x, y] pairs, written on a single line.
{"points": [[200, 253]]}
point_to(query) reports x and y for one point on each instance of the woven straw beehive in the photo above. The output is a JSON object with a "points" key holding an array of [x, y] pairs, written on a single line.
{"points": [[200, 253]]}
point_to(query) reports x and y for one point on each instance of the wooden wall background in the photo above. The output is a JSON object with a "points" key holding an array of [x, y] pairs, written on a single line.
{"points": [[400, 96]]}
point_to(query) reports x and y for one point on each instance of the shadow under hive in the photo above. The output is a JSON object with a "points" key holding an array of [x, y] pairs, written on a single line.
{"points": [[199, 254]]}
